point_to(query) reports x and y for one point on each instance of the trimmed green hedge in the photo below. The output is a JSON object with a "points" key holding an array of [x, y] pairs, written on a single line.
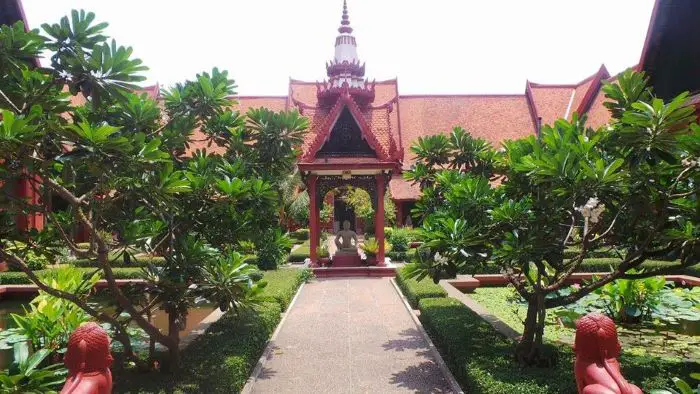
{"points": [[138, 262], [19, 278], [570, 253], [482, 361], [300, 254], [219, 361], [604, 264], [282, 284], [302, 234], [414, 291]]}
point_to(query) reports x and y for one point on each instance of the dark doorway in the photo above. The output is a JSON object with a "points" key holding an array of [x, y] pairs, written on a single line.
{"points": [[343, 212]]}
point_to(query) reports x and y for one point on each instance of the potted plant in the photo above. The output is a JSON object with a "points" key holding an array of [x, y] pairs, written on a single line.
{"points": [[323, 255], [371, 247]]}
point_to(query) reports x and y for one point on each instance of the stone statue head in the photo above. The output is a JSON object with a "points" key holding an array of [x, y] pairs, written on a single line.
{"points": [[346, 225]]}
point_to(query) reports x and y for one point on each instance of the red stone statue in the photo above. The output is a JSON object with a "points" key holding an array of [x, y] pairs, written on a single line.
{"points": [[597, 348], [88, 360]]}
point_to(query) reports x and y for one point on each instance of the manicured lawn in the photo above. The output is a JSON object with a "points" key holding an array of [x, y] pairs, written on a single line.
{"points": [[415, 290], [481, 359], [501, 302]]}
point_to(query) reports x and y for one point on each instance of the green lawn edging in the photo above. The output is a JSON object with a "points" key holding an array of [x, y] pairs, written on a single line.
{"points": [[414, 290], [481, 358], [603, 264]]}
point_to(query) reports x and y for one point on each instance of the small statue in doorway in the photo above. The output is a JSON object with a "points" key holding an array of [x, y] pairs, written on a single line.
{"points": [[344, 239]]}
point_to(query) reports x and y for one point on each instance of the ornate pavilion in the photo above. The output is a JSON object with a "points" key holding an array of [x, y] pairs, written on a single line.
{"points": [[361, 130]]}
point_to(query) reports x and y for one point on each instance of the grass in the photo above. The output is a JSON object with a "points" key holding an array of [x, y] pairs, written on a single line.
{"points": [[482, 361], [415, 290], [501, 302], [301, 253]]}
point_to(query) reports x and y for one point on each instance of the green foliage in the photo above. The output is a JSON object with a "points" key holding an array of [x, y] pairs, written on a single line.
{"points": [[682, 386], [631, 301], [400, 238], [415, 290], [632, 184], [34, 260], [50, 320], [141, 261], [273, 247], [228, 281], [26, 375], [20, 278], [283, 284], [322, 251], [302, 234], [361, 204], [371, 247]]}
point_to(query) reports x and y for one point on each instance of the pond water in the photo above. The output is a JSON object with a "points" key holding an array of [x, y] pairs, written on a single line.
{"points": [[159, 318]]}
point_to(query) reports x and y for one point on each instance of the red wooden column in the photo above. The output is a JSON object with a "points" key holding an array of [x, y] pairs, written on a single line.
{"points": [[314, 221], [379, 219], [25, 190]]}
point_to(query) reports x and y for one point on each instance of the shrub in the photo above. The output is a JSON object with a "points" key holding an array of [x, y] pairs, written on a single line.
{"points": [[301, 234], [603, 265], [282, 285], [34, 260], [136, 262], [570, 253], [417, 290], [400, 239], [19, 278], [272, 247], [371, 247]]}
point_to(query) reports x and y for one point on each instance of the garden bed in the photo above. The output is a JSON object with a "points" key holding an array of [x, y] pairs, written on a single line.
{"points": [[20, 278], [417, 290], [482, 361], [221, 360], [301, 253], [680, 342]]}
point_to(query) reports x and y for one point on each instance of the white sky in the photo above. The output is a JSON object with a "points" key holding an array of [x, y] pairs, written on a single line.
{"points": [[433, 47]]}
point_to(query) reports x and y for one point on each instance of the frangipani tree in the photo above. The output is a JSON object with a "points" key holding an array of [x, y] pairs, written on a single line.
{"points": [[123, 164], [631, 186]]}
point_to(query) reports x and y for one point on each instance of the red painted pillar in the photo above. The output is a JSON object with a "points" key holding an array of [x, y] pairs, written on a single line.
{"points": [[25, 191], [314, 221], [379, 219]]}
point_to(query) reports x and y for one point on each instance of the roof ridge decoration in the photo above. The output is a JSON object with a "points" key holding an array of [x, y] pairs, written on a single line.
{"points": [[345, 72], [593, 89], [345, 100]]}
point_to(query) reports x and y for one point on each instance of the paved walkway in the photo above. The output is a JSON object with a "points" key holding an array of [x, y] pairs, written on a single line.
{"points": [[350, 336]]}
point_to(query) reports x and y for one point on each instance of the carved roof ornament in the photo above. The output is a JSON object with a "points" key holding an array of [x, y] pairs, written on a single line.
{"points": [[345, 72]]}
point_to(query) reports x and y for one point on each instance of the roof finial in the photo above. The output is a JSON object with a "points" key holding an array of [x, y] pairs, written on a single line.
{"points": [[345, 22]]}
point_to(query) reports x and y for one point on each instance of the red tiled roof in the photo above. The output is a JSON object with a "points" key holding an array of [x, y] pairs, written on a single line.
{"points": [[401, 189], [492, 117], [598, 115]]}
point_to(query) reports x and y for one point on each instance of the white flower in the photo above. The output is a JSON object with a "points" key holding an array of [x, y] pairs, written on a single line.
{"points": [[307, 261], [439, 259]]}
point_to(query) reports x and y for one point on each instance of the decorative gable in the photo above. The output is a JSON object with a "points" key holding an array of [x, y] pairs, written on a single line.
{"points": [[346, 139]]}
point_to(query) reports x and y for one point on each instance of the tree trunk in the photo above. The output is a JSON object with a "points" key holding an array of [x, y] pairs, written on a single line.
{"points": [[528, 351], [174, 334]]}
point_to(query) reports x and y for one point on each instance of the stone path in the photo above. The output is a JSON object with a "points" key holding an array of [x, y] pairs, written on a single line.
{"points": [[350, 336]]}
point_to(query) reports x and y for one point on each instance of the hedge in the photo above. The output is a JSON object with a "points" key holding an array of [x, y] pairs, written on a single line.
{"points": [[141, 261], [482, 361], [19, 278], [603, 265], [282, 285], [415, 290], [220, 361], [300, 254], [302, 234]]}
